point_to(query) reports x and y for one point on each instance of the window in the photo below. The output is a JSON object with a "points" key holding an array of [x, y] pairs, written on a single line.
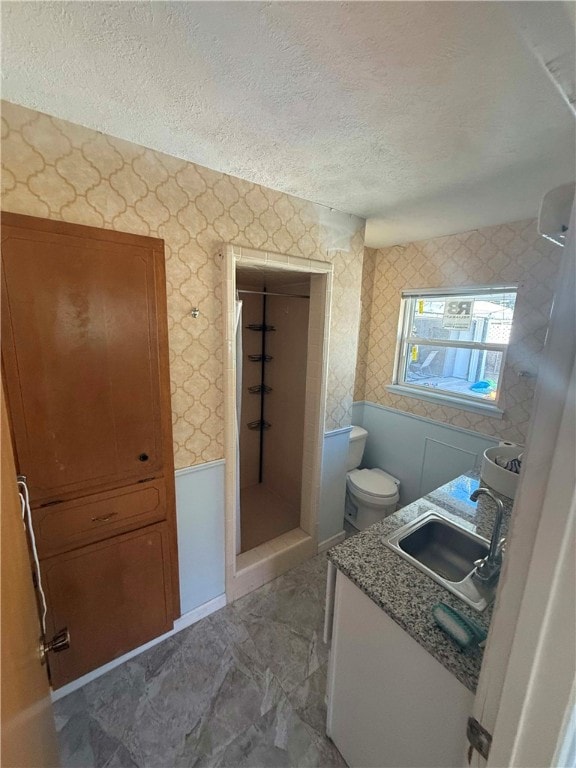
{"points": [[452, 345]]}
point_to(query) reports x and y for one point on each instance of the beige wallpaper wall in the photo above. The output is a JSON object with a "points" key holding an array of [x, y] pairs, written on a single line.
{"points": [[508, 253], [58, 170]]}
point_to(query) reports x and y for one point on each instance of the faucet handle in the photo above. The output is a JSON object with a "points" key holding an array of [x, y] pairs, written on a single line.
{"points": [[486, 572]]}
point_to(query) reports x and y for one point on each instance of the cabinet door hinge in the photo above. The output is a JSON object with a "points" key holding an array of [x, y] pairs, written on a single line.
{"points": [[478, 738]]}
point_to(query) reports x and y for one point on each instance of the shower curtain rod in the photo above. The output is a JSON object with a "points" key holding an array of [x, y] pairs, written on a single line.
{"points": [[269, 293]]}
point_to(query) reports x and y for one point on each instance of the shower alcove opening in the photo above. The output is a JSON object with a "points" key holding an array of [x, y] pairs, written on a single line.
{"points": [[275, 384]]}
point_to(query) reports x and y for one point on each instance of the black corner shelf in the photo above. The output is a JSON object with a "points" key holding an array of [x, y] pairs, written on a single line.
{"points": [[260, 389], [261, 327], [259, 424]]}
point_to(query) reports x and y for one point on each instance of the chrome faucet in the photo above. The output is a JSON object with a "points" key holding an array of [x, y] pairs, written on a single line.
{"points": [[488, 568]]}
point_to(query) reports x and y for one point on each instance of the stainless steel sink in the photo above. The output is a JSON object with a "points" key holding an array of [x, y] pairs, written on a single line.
{"points": [[446, 552]]}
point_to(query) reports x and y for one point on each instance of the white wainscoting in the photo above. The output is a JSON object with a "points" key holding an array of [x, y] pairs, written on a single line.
{"points": [[423, 454], [200, 515], [333, 488]]}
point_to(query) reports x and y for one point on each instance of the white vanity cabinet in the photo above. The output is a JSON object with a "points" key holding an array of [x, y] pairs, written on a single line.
{"points": [[390, 703]]}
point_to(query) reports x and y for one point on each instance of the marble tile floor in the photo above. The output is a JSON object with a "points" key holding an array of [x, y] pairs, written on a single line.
{"points": [[244, 687]]}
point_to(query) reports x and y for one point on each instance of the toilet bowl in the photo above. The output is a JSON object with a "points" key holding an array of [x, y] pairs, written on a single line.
{"points": [[372, 494]]}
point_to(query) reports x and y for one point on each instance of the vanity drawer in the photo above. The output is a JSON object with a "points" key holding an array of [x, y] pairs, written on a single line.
{"points": [[70, 524]]}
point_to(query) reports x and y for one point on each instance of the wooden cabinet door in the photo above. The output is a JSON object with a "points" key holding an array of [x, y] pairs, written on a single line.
{"points": [[113, 596], [80, 315]]}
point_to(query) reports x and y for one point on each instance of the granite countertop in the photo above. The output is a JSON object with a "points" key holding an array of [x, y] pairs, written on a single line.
{"points": [[406, 593]]}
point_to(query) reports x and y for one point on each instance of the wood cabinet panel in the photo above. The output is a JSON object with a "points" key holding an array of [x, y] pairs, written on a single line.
{"points": [[85, 361], [71, 524], [113, 596], [81, 357]]}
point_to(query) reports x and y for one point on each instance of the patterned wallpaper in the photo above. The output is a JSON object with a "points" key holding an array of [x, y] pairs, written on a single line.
{"points": [[58, 170], [510, 252]]}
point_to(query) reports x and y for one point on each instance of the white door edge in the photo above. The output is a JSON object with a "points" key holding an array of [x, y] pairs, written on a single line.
{"points": [[527, 617]]}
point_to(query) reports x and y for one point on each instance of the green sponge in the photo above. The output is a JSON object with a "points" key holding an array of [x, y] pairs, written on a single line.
{"points": [[465, 632]]}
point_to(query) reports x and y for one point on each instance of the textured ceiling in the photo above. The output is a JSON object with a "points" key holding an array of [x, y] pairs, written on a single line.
{"points": [[427, 118]]}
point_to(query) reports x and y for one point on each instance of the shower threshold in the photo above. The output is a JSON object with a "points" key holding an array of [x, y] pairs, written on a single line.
{"points": [[272, 559]]}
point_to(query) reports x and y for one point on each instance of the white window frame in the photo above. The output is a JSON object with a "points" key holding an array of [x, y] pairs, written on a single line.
{"points": [[404, 339]]}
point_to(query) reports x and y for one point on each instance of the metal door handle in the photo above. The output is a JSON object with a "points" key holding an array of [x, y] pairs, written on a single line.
{"points": [[104, 518], [60, 642]]}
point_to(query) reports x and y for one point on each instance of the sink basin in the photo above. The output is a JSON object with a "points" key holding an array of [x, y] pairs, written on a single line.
{"points": [[443, 548], [444, 551]]}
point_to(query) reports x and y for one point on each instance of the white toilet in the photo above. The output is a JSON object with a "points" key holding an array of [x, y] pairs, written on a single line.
{"points": [[372, 493]]}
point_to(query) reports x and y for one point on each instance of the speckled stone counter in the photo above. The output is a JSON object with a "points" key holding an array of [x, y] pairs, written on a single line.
{"points": [[406, 593]]}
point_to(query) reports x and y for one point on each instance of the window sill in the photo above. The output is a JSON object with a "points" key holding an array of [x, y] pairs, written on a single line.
{"points": [[485, 408]]}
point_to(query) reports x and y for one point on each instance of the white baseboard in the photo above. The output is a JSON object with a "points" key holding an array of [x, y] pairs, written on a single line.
{"points": [[199, 613], [181, 623], [331, 542]]}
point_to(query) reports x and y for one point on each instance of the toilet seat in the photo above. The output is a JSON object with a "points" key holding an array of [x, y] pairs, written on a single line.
{"points": [[376, 484]]}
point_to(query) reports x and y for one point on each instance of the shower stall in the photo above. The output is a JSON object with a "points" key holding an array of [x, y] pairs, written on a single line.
{"points": [[271, 359]]}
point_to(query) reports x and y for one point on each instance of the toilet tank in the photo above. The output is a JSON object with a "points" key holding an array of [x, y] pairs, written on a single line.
{"points": [[357, 442]]}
